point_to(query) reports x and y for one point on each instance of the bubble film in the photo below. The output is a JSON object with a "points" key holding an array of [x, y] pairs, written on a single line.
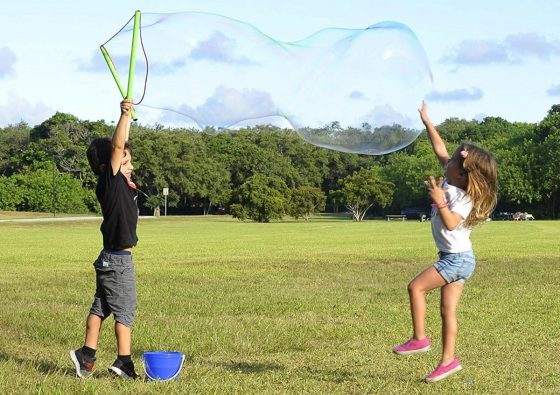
{"points": [[351, 90]]}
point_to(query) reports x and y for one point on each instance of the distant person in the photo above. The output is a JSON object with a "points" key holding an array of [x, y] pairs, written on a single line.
{"points": [[115, 290], [465, 198]]}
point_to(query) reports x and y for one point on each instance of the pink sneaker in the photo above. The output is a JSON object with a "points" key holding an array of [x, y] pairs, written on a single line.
{"points": [[412, 346], [443, 371]]}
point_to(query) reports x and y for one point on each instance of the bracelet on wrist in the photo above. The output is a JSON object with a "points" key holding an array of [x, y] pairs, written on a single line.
{"points": [[440, 205]]}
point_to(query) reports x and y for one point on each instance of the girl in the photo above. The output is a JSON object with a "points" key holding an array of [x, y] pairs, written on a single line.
{"points": [[464, 199]]}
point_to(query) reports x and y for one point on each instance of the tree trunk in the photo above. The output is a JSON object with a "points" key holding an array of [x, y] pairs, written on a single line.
{"points": [[364, 212], [555, 204]]}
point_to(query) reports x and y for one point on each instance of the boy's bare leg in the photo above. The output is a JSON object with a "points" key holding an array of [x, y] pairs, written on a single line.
{"points": [[93, 328], [124, 339]]}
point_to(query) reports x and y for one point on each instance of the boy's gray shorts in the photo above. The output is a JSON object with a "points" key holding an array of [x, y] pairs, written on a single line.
{"points": [[116, 287]]}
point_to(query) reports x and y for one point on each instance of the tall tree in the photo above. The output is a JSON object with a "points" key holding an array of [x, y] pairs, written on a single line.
{"points": [[14, 140], [261, 198], [305, 201], [548, 131], [363, 189], [408, 172]]}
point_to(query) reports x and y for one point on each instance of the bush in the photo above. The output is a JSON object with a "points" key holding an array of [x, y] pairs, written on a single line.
{"points": [[261, 198], [10, 194], [41, 191]]}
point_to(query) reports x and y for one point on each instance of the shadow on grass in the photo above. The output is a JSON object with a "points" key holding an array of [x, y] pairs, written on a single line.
{"points": [[332, 375], [42, 366], [341, 376], [324, 217], [246, 367]]}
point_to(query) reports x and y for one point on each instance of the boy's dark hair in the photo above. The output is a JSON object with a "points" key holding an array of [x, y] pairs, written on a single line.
{"points": [[99, 154]]}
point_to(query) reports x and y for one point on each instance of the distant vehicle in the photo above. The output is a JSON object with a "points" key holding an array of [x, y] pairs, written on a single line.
{"points": [[503, 216], [519, 216]]}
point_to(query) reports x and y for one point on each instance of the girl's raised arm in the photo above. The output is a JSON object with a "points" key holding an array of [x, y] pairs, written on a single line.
{"points": [[437, 143]]}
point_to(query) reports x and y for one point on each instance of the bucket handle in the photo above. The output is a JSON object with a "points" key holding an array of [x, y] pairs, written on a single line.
{"points": [[171, 378]]}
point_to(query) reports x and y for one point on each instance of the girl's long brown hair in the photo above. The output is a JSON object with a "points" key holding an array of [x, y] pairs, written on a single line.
{"points": [[482, 186]]}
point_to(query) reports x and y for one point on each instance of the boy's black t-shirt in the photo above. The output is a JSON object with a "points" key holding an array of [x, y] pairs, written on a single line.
{"points": [[120, 210]]}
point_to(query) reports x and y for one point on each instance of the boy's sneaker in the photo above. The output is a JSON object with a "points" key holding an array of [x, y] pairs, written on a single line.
{"points": [[83, 364], [412, 346], [126, 371], [443, 371]]}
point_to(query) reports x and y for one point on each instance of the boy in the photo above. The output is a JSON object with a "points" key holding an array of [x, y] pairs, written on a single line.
{"points": [[115, 290]]}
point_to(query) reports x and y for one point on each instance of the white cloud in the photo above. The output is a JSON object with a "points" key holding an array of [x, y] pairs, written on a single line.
{"points": [[480, 116], [513, 49], [532, 44], [219, 48], [554, 90], [162, 68], [473, 52], [95, 64], [356, 95], [8, 59], [228, 107], [19, 109], [385, 115], [456, 95]]}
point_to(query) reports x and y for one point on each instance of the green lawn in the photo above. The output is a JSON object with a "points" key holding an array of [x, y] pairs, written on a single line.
{"points": [[9, 215], [287, 307]]}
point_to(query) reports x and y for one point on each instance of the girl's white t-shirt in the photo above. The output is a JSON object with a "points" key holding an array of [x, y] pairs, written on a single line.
{"points": [[457, 240]]}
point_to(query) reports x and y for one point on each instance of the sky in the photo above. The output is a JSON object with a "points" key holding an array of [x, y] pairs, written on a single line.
{"points": [[488, 58]]}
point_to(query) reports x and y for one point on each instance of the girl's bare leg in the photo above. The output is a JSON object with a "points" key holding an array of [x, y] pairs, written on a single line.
{"points": [[426, 281], [450, 295]]}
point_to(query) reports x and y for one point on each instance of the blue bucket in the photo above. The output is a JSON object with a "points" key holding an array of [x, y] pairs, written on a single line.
{"points": [[163, 365]]}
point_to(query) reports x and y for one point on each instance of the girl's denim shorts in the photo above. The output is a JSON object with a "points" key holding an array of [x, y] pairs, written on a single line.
{"points": [[456, 266]]}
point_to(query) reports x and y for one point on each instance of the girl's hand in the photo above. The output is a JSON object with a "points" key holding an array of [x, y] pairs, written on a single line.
{"points": [[437, 193], [424, 113]]}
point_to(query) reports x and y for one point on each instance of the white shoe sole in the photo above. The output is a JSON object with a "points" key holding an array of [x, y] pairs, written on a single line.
{"points": [[424, 349], [76, 364], [118, 372], [446, 374]]}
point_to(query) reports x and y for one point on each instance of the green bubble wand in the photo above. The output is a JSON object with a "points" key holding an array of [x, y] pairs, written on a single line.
{"points": [[126, 94]]}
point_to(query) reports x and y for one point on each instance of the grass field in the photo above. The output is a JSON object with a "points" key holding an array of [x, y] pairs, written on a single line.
{"points": [[287, 307], [9, 215]]}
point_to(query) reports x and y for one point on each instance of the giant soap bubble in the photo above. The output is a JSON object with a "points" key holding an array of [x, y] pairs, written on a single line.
{"points": [[351, 90]]}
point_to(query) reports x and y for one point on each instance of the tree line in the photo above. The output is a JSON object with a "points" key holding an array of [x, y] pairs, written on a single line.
{"points": [[263, 173]]}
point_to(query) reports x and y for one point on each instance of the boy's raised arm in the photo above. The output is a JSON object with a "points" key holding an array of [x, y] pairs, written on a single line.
{"points": [[437, 143], [120, 137]]}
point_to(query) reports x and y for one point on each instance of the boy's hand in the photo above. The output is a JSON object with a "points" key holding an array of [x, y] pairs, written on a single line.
{"points": [[424, 113], [437, 193], [126, 107]]}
